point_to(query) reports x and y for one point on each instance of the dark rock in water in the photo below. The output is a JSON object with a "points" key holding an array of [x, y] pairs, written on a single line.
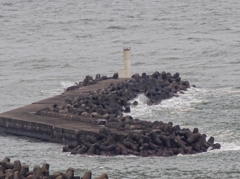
{"points": [[69, 173], [216, 146], [103, 176], [176, 75], [83, 150], [92, 149], [107, 148], [41, 172], [144, 75], [127, 109], [73, 145], [115, 76], [211, 140], [86, 81], [193, 138], [70, 88], [195, 130], [136, 76], [178, 79], [104, 78], [16, 166], [186, 83], [87, 175], [155, 75], [97, 77], [135, 103], [146, 142]]}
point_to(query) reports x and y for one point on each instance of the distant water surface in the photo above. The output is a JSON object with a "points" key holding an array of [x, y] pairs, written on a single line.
{"points": [[46, 46]]}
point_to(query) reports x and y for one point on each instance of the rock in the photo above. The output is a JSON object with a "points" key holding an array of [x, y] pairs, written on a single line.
{"points": [[2, 175], [45, 169], [92, 149], [98, 77], [193, 138], [7, 165], [83, 150], [24, 170], [9, 174], [103, 176], [216, 146], [87, 175], [37, 172], [30, 177], [115, 76], [107, 148], [69, 173], [17, 166], [127, 109], [211, 140], [136, 76], [135, 103], [6, 159], [2, 169], [71, 88], [16, 175]]}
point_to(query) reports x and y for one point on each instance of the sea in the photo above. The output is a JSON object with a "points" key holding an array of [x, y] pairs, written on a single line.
{"points": [[48, 45]]}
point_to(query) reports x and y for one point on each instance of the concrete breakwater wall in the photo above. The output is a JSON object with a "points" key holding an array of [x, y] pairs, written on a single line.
{"points": [[23, 121], [36, 130], [91, 114], [17, 170]]}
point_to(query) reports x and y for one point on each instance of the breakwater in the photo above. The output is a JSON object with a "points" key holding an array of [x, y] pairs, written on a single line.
{"points": [[17, 170], [24, 121], [163, 139], [92, 117]]}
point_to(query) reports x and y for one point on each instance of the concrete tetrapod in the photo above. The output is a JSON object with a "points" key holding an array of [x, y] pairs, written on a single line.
{"points": [[8, 171], [154, 141]]}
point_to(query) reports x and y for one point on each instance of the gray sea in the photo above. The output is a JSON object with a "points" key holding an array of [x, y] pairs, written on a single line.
{"points": [[48, 45]]}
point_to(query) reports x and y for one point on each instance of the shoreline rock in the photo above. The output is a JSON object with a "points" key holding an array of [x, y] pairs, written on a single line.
{"points": [[16, 170]]}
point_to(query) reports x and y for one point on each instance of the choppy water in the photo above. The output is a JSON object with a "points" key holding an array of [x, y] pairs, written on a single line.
{"points": [[46, 46]]}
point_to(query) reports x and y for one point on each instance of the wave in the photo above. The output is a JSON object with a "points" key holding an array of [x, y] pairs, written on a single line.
{"points": [[193, 99], [66, 84], [183, 103], [57, 91], [228, 146]]}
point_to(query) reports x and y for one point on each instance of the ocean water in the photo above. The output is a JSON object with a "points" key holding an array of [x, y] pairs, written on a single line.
{"points": [[46, 46]]}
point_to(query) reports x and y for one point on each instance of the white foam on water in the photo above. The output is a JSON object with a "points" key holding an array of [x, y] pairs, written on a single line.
{"points": [[57, 91], [66, 84], [229, 139], [52, 92], [234, 91], [228, 146], [183, 103], [102, 156], [224, 147]]}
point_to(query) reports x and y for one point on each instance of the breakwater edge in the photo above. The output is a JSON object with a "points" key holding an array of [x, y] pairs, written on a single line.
{"points": [[48, 46]]}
